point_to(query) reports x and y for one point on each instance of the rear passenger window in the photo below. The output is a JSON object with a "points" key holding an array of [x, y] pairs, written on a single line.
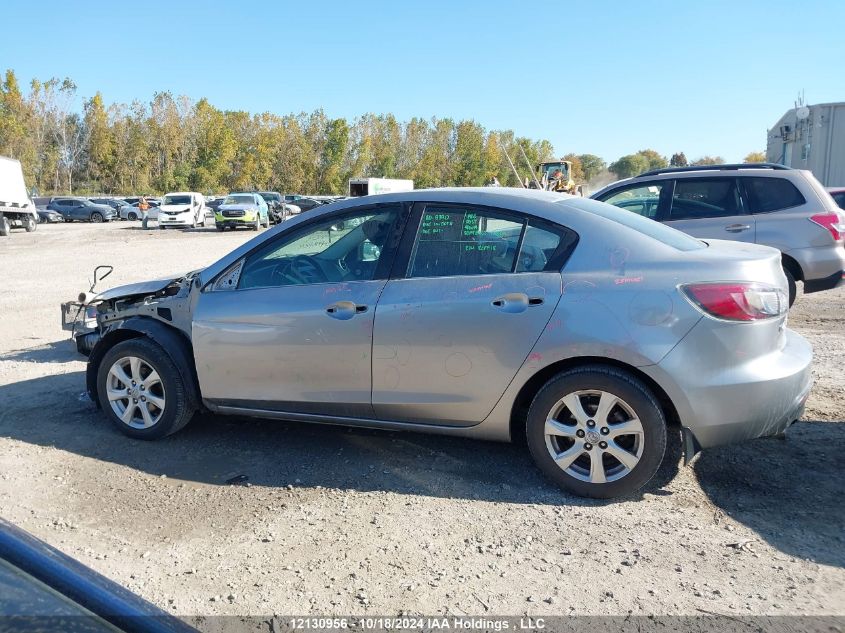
{"points": [[454, 241], [771, 194], [705, 198]]}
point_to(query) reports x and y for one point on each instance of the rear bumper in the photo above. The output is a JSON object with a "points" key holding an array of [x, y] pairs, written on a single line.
{"points": [[821, 267], [728, 402], [827, 283]]}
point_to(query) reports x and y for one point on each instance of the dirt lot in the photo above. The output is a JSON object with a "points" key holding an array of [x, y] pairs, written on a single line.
{"points": [[339, 521]]}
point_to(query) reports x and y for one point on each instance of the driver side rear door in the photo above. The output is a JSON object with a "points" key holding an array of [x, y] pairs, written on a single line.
{"points": [[298, 340]]}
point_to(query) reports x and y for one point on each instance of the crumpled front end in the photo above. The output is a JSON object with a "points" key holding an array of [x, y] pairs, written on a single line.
{"points": [[90, 318]]}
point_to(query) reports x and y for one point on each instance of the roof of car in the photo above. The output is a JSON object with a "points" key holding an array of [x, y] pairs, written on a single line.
{"points": [[722, 167]]}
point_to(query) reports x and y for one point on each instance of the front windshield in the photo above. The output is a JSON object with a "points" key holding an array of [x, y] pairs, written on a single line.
{"points": [[271, 197], [176, 200], [239, 200]]}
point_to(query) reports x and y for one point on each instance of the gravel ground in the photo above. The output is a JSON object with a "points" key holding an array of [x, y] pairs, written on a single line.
{"points": [[341, 521]]}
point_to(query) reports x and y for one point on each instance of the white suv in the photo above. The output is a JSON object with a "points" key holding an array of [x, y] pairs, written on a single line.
{"points": [[182, 208]]}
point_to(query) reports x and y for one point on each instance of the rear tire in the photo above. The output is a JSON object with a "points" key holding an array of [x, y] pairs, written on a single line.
{"points": [[595, 453], [5, 226], [793, 290], [167, 387], [29, 224]]}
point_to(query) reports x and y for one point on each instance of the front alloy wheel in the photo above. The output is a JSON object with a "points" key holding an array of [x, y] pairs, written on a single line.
{"points": [[142, 391], [597, 431], [135, 392]]}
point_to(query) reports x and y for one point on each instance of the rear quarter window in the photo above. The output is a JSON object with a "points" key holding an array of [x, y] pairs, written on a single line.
{"points": [[771, 194]]}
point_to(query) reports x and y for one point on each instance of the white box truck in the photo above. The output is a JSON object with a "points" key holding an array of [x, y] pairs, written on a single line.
{"points": [[370, 186], [16, 209]]}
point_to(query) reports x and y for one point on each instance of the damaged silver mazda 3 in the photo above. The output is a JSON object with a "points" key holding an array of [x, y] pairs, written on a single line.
{"points": [[597, 335]]}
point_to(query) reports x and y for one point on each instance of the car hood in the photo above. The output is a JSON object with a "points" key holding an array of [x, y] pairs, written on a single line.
{"points": [[174, 208], [237, 207], [140, 288]]}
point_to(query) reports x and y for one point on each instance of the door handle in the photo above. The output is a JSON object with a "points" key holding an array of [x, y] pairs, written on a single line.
{"points": [[513, 302], [345, 310], [737, 228]]}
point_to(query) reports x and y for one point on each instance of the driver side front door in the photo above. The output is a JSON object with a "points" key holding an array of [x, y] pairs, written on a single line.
{"points": [[295, 333]]}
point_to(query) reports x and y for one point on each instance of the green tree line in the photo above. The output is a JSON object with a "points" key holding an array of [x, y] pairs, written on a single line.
{"points": [[173, 143]]}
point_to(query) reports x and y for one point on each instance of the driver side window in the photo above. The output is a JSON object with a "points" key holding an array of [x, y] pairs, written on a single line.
{"points": [[335, 250]]}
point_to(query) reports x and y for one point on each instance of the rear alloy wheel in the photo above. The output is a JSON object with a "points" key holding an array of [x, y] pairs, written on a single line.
{"points": [[5, 225], [29, 224], [597, 432], [97, 217], [142, 391]]}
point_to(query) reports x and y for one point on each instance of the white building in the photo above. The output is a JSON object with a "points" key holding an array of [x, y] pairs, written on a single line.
{"points": [[811, 137]]}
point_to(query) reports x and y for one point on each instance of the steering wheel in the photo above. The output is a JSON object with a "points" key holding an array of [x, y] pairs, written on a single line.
{"points": [[307, 270]]}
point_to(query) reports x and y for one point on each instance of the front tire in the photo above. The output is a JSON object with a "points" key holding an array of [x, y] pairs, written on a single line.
{"points": [[96, 217], [132, 216], [597, 431], [142, 391], [5, 225], [29, 224]]}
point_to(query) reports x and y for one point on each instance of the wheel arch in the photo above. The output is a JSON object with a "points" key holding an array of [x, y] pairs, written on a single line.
{"points": [[172, 341], [522, 402], [792, 266]]}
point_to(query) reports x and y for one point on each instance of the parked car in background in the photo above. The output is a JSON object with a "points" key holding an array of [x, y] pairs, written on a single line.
{"points": [[214, 204], [242, 209], [275, 205], [45, 216], [132, 212], [599, 335], [758, 203], [81, 210], [306, 204], [114, 203], [153, 201], [838, 194], [182, 209]]}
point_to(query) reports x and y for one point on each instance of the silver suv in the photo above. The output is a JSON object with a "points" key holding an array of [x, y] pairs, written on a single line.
{"points": [[761, 203]]}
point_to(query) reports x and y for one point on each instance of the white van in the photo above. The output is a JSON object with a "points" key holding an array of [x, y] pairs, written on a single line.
{"points": [[182, 208]]}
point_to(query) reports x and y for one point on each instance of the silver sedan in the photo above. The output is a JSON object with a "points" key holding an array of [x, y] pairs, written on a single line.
{"points": [[598, 335]]}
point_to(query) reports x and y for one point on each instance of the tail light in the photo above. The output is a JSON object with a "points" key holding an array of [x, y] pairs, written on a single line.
{"points": [[738, 301], [831, 222]]}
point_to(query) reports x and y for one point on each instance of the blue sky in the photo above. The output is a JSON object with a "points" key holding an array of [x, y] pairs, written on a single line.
{"points": [[602, 77]]}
